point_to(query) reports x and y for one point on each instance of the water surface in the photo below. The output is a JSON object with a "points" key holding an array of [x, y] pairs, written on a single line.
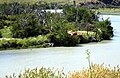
{"points": [[71, 58]]}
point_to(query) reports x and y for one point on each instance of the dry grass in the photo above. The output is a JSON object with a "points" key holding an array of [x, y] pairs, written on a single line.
{"points": [[90, 33], [39, 73], [97, 71]]}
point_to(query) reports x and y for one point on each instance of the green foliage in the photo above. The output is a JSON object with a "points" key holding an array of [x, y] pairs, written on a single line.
{"points": [[79, 14], [63, 39], [89, 62], [8, 43], [85, 15], [27, 26], [6, 32], [31, 20], [0, 34], [59, 35], [106, 29]]}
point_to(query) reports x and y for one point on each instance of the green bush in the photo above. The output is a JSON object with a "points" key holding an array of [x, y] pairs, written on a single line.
{"points": [[9, 43], [79, 14], [0, 34], [63, 39], [6, 32], [106, 29]]}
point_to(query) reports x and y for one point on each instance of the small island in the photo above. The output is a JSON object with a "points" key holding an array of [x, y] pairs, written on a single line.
{"points": [[29, 25]]}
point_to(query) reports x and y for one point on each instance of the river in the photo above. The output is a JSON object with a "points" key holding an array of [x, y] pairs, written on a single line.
{"points": [[71, 58]]}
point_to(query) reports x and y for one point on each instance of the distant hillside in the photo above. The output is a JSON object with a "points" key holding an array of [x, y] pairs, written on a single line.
{"points": [[48, 1], [88, 3]]}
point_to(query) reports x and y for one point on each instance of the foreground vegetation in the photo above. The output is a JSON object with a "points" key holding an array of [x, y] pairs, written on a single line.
{"points": [[98, 71]]}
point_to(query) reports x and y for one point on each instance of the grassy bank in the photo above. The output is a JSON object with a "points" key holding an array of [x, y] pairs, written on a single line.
{"points": [[110, 11], [17, 43]]}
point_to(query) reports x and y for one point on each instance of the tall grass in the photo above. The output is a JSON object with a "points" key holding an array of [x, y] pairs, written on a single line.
{"points": [[39, 73], [98, 71]]}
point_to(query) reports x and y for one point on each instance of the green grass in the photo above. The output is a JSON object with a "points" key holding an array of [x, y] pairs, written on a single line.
{"points": [[17, 43], [109, 10]]}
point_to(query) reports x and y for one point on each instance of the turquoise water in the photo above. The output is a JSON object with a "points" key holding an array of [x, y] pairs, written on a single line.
{"points": [[71, 58]]}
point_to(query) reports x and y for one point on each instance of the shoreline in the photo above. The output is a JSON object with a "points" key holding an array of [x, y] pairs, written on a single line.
{"points": [[77, 45], [109, 13]]}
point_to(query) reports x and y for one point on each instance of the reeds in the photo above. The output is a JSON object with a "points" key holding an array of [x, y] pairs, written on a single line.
{"points": [[39, 73], [97, 71]]}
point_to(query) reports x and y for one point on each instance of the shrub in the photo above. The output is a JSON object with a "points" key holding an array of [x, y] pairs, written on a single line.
{"points": [[106, 29], [63, 39], [9, 43], [79, 14], [0, 34], [6, 32]]}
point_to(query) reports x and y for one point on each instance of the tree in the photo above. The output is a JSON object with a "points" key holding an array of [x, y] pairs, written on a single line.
{"points": [[80, 14]]}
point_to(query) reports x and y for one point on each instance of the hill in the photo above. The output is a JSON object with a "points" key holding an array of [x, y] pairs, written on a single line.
{"points": [[48, 1]]}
